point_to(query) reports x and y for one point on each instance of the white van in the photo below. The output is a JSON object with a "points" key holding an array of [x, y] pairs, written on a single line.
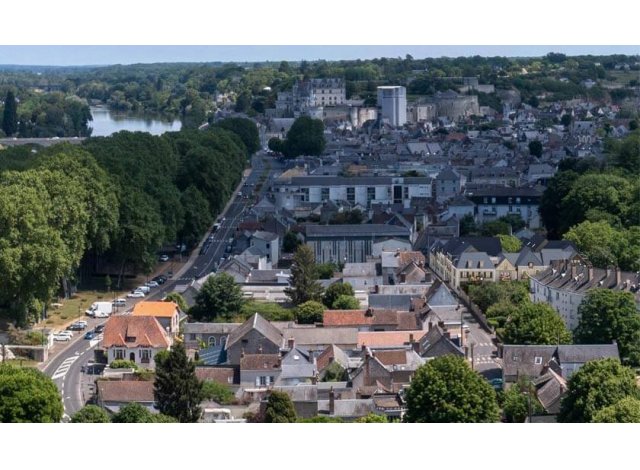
{"points": [[145, 289]]}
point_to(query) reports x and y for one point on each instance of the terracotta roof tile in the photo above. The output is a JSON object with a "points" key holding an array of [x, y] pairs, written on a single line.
{"points": [[377, 339], [125, 390], [131, 332], [155, 309], [389, 358], [260, 362]]}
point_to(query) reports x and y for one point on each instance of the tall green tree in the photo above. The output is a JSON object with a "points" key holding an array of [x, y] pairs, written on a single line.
{"points": [[279, 409], [345, 302], [10, 114], [597, 385], [535, 148], [446, 390], [607, 315], [535, 323], [177, 390], [28, 396], [599, 241], [91, 414], [626, 410], [303, 283], [335, 290], [219, 299], [489, 293], [244, 128], [133, 413], [305, 137], [309, 312], [509, 243], [197, 216], [551, 202]]}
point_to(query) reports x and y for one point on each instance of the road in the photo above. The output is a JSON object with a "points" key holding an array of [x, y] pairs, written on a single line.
{"points": [[66, 368]]}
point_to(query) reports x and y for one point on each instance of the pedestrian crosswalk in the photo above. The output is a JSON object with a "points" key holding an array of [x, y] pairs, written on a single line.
{"points": [[62, 370]]}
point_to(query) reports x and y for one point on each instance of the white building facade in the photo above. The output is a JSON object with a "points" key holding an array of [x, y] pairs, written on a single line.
{"points": [[392, 101]]}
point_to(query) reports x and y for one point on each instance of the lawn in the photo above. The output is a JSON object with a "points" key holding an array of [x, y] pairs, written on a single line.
{"points": [[74, 308]]}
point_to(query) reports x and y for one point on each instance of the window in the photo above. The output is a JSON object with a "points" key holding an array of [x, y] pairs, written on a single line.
{"points": [[493, 200], [351, 194], [537, 360], [212, 341], [517, 200], [145, 356], [192, 336], [324, 194], [272, 379], [485, 200], [371, 193], [263, 380], [405, 192], [119, 353]]}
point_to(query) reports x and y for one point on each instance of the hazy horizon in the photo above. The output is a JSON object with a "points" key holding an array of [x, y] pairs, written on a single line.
{"points": [[127, 55]]}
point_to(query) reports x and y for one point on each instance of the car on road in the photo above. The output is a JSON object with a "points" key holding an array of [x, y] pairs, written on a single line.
{"points": [[90, 334], [496, 383], [119, 302], [77, 326], [145, 289], [151, 284], [136, 294], [228, 249], [164, 258], [101, 315], [99, 329], [169, 274], [160, 279], [61, 337]]}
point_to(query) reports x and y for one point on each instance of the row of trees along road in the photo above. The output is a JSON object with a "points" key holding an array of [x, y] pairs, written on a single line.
{"points": [[114, 201]]}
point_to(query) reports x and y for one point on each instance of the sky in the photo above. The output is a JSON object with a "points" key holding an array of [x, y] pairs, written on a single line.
{"points": [[107, 55]]}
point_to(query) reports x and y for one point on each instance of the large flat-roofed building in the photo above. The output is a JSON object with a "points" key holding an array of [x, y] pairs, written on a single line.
{"points": [[392, 101], [365, 190], [349, 243]]}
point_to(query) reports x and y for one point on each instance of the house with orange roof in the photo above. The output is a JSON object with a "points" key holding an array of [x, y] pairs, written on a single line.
{"points": [[135, 338], [389, 339], [167, 314]]}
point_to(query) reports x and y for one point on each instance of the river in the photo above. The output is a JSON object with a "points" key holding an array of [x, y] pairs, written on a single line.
{"points": [[106, 122]]}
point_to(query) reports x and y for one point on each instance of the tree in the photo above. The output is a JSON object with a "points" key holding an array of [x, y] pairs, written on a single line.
{"points": [[345, 302], [515, 406], [535, 148], [495, 227], [28, 396], [565, 120], [595, 386], [305, 137], [551, 202], [218, 392], [446, 390], [335, 290], [626, 410], [303, 283], [372, 418], [605, 245], [607, 315], [197, 216], [279, 409], [290, 242], [10, 114], [321, 419], [246, 129], [326, 270], [91, 414], [177, 390], [219, 298], [178, 299], [537, 323], [489, 293], [467, 225], [309, 312], [509, 243], [276, 145], [133, 413]]}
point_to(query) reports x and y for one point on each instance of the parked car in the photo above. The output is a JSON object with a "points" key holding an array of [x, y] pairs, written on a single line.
{"points": [[145, 289], [136, 294], [61, 337], [496, 383], [101, 315], [77, 326], [151, 284], [161, 279], [90, 335], [164, 258], [120, 302], [99, 329], [169, 274]]}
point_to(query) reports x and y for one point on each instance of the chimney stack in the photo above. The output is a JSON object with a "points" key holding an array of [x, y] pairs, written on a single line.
{"points": [[291, 343], [332, 401]]}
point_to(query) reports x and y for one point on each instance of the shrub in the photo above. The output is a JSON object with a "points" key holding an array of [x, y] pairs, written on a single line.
{"points": [[123, 364]]}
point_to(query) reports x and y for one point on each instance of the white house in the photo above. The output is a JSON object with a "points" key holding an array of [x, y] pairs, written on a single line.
{"points": [[135, 338]]}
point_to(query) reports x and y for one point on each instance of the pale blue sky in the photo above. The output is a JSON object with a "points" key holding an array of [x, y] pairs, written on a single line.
{"points": [[103, 55]]}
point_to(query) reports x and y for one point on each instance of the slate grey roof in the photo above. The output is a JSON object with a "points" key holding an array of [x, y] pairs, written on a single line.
{"points": [[489, 245], [322, 336], [396, 302], [266, 236], [551, 392], [213, 356], [220, 328], [527, 256], [359, 269], [436, 344], [521, 359], [582, 353], [261, 325], [511, 257], [460, 201], [507, 191], [441, 296], [348, 408], [474, 260], [361, 230]]}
